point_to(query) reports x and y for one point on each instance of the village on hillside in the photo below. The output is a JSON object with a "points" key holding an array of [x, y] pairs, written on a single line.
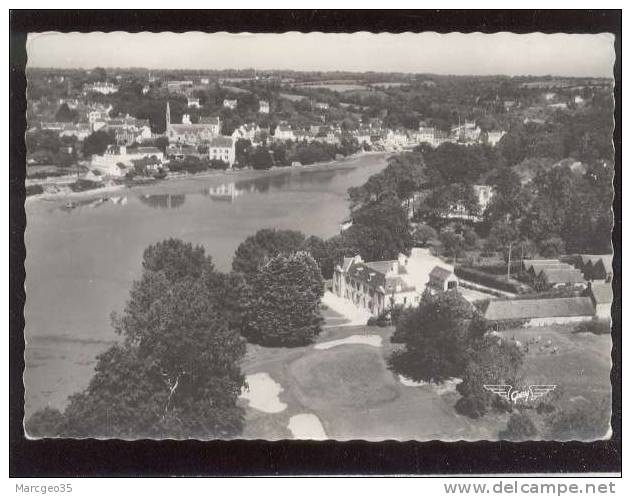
{"points": [[479, 257]]}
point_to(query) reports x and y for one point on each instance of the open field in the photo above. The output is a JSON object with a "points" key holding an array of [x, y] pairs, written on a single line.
{"points": [[346, 388], [338, 87], [350, 390], [236, 89], [292, 97], [364, 92], [580, 368], [391, 84]]}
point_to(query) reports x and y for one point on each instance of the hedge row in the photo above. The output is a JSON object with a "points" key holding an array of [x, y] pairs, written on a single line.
{"points": [[486, 279]]}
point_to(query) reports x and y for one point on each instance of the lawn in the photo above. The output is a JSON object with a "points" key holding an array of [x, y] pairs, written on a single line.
{"points": [[580, 367], [355, 396], [353, 393]]}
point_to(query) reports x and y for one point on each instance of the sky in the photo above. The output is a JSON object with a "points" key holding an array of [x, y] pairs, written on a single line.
{"points": [[537, 54]]}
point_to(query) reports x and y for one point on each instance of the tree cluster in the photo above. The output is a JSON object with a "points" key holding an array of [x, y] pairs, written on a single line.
{"points": [[445, 337], [175, 373]]}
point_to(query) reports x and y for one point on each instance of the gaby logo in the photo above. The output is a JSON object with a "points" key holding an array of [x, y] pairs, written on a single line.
{"points": [[515, 395]]}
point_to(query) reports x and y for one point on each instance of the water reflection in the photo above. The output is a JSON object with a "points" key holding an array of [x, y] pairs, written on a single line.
{"points": [[72, 205], [229, 191], [296, 179], [163, 201]]}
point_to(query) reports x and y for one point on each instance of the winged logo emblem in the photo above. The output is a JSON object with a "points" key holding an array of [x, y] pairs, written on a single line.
{"points": [[514, 395]]}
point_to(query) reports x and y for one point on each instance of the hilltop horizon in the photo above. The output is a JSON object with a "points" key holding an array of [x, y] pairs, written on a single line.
{"points": [[268, 71], [452, 54]]}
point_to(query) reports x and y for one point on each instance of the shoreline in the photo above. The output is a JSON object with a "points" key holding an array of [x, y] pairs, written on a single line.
{"points": [[241, 174]]}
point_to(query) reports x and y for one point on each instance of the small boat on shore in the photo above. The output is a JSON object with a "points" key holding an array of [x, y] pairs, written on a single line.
{"points": [[70, 205]]}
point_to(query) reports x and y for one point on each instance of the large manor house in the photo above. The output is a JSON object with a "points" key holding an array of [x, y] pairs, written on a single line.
{"points": [[378, 286]]}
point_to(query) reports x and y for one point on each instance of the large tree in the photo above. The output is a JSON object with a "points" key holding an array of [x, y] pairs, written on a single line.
{"points": [[324, 252], [437, 336], [452, 163], [491, 361], [403, 176], [284, 309], [97, 142], [176, 372], [452, 198], [264, 244], [381, 229]]}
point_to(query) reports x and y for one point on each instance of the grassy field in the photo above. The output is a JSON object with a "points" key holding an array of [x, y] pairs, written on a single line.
{"points": [[355, 396], [292, 97], [392, 84], [580, 368], [337, 87], [353, 393]]}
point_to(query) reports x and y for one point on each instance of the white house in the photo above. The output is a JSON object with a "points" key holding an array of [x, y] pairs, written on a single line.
{"points": [[493, 137], [284, 132], [484, 194], [377, 286], [362, 135], [103, 88], [578, 100], [72, 103], [602, 297], [246, 132], [432, 136], [193, 102], [179, 86], [467, 132], [99, 113], [230, 103], [263, 106], [442, 280], [118, 160], [79, 130], [222, 148]]}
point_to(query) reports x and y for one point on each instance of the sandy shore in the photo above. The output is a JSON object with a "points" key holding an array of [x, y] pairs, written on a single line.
{"points": [[212, 177]]}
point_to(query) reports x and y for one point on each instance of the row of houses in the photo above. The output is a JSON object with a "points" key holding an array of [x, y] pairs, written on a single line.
{"points": [[555, 272], [128, 129], [581, 269], [390, 138], [102, 87], [468, 133]]}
